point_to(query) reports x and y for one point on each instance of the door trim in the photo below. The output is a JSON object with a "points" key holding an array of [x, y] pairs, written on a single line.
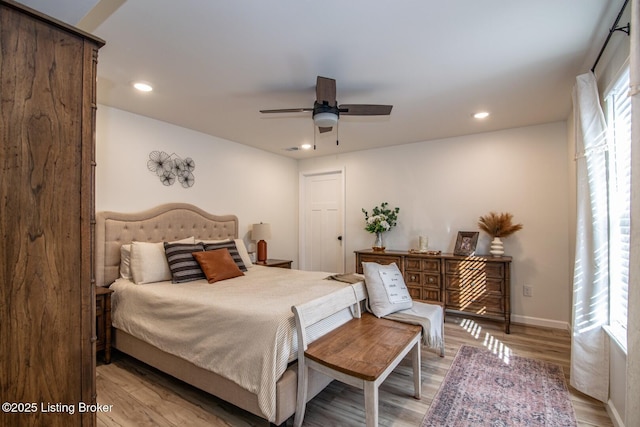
{"points": [[302, 221]]}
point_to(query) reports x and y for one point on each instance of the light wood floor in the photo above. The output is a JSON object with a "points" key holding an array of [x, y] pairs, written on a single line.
{"points": [[143, 396]]}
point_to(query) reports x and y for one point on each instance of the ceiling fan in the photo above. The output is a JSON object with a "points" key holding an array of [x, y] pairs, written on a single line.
{"points": [[326, 110]]}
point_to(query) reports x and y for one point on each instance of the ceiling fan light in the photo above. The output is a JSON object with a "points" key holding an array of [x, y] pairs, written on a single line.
{"points": [[325, 120]]}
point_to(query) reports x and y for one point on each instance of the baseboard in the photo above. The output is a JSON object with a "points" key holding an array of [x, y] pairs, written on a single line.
{"points": [[537, 321], [613, 413]]}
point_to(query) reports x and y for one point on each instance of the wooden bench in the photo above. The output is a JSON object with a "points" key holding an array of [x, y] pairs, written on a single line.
{"points": [[361, 353]]}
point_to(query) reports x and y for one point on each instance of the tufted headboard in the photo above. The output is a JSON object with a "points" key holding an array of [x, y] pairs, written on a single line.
{"points": [[168, 222]]}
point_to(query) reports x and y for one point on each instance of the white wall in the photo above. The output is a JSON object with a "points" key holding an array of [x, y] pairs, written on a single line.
{"points": [[443, 186], [230, 178]]}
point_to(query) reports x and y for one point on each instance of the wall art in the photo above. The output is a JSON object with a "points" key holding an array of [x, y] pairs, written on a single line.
{"points": [[170, 167]]}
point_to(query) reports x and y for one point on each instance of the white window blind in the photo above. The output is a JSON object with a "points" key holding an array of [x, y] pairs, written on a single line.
{"points": [[619, 186]]}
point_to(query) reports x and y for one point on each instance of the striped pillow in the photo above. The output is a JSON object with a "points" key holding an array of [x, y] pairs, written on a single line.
{"points": [[233, 250], [183, 266]]}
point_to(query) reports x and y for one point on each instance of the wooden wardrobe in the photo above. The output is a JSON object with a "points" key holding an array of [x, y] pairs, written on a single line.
{"points": [[47, 155]]}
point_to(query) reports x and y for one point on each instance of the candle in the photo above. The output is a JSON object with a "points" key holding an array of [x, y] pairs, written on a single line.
{"points": [[424, 243]]}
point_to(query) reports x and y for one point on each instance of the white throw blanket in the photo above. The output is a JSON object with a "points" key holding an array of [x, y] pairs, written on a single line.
{"points": [[240, 328], [430, 317]]}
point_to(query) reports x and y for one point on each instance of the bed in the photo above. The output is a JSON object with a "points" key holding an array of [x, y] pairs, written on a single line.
{"points": [[234, 338]]}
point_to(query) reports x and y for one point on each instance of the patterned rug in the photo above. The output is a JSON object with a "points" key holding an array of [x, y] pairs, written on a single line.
{"points": [[486, 389]]}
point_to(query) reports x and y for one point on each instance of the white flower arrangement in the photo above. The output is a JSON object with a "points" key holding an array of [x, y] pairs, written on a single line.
{"points": [[383, 219]]}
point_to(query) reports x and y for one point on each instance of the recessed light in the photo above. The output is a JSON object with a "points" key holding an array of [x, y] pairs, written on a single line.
{"points": [[143, 87], [481, 115], [305, 146]]}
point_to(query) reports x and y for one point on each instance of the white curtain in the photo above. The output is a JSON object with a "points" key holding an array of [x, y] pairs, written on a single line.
{"points": [[589, 343], [633, 320]]}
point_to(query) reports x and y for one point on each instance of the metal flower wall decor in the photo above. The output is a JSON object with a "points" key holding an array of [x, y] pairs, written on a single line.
{"points": [[169, 167]]}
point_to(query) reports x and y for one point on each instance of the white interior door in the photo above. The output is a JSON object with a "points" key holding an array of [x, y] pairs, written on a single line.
{"points": [[322, 221]]}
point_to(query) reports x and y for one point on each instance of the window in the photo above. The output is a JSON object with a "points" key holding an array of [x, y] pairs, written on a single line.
{"points": [[618, 105]]}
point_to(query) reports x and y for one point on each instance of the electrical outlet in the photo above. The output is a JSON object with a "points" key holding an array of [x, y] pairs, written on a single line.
{"points": [[527, 291]]}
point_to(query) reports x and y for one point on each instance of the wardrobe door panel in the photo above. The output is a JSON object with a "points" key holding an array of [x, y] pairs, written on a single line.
{"points": [[45, 218]]}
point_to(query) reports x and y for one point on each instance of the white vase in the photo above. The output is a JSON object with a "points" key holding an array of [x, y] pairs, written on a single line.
{"points": [[497, 248]]}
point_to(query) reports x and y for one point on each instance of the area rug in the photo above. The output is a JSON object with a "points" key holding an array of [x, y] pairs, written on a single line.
{"points": [[487, 389]]}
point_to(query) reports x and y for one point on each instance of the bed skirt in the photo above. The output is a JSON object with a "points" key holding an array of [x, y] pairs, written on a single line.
{"points": [[286, 387]]}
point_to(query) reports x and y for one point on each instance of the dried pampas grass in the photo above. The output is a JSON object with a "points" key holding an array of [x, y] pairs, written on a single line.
{"points": [[498, 225]]}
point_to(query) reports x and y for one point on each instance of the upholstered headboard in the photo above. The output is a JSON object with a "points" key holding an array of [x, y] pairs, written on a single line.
{"points": [[168, 222]]}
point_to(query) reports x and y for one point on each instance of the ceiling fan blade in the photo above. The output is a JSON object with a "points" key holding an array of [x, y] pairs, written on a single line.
{"points": [[288, 110], [323, 130], [326, 91], [365, 110]]}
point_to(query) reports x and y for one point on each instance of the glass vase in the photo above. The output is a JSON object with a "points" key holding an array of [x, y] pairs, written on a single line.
{"points": [[378, 245]]}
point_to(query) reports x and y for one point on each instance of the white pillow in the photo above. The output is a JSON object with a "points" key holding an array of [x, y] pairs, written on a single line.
{"points": [[149, 262], [244, 254], [386, 289]]}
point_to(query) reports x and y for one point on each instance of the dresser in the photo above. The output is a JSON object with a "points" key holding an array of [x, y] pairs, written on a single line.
{"points": [[47, 156], [474, 285]]}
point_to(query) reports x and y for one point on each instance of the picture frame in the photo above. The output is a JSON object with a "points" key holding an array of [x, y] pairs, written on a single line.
{"points": [[466, 243]]}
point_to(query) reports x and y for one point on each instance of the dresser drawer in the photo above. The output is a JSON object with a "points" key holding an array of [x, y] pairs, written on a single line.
{"points": [[477, 303], [422, 279], [462, 283], [466, 266], [424, 294], [431, 280], [421, 264], [415, 292], [429, 294], [411, 278]]}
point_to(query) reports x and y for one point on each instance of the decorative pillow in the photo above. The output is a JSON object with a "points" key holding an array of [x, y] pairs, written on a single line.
{"points": [[217, 265], [233, 251], [386, 288], [183, 266], [125, 262], [149, 263]]}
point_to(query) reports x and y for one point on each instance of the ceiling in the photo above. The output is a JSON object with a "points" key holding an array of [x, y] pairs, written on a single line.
{"points": [[214, 64]]}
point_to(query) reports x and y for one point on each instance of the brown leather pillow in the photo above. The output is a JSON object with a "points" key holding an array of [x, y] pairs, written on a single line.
{"points": [[217, 265]]}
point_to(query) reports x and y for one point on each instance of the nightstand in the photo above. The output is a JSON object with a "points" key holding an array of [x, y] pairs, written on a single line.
{"points": [[282, 263], [103, 322]]}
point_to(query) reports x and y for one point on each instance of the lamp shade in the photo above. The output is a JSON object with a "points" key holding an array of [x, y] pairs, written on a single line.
{"points": [[261, 231]]}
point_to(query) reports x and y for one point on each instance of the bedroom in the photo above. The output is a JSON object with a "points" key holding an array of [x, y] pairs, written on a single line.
{"points": [[501, 171]]}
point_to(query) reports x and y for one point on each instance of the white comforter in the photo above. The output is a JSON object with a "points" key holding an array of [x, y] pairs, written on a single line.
{"points": [[241, 328]]}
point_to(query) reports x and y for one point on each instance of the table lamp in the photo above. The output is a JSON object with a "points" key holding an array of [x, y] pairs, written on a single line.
{"points": [[261, 232]]}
